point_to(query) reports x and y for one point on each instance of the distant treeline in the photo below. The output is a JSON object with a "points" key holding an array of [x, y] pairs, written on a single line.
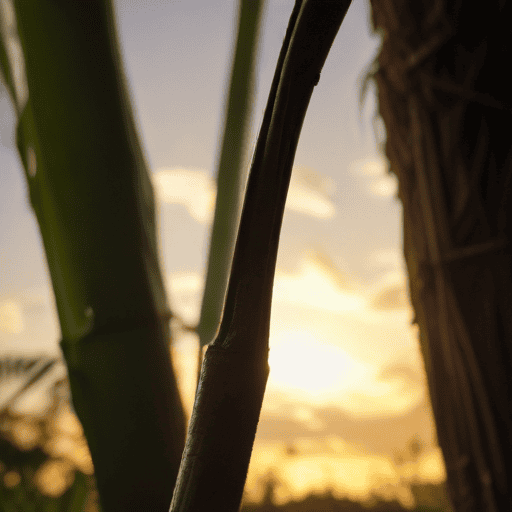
{"points": [[428, 497], [30, 475]]}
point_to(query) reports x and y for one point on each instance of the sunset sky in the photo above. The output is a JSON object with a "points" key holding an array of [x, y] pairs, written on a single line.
{"points": [[347, 386]]}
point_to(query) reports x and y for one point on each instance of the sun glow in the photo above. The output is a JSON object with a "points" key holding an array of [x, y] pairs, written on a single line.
{"points": [[315, 286], [300, 362]]}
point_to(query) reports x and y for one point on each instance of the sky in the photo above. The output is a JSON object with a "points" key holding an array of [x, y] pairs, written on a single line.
{"points": [[347, 387]]}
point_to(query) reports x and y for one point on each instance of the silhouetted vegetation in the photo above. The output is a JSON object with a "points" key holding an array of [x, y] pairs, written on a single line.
{"points": [[36, 477], [19, 490], [20, 483], [429, 498], [328, 503], [45, 464], [32, 478]]}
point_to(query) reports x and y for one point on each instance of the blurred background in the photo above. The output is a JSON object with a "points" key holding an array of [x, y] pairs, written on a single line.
{"points": [[346, 416]]}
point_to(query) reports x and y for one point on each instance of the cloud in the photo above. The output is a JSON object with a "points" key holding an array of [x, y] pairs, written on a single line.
{"points": [[391, 396], [310, 193], [389, 293], [317, 284], [392, 297], [386, 258], [387, 186], [397, 388], [379, 181], [411, 375], [373, 167], [11, 318], [194, 189]]}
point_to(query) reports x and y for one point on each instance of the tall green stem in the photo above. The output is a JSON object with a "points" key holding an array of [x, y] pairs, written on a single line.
{"points": [[92, 196], [230, 171]]}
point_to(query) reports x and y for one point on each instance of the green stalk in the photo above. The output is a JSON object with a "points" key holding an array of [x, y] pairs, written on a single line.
{"points": [[230, 171], [235, 370], [91, 193]]}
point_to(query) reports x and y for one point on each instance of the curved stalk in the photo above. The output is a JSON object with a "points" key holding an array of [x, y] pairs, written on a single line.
{"points": [[235, 370]]}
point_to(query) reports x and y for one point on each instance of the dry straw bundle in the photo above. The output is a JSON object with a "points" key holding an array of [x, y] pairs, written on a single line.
{"points": [[444, 97]]}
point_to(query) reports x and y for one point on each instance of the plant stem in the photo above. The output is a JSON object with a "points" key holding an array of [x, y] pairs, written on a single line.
{"points": [[235, 370], [230, 172]]}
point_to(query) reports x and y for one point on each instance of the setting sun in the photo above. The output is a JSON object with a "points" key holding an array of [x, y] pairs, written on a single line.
{"points": [[299, 362]]}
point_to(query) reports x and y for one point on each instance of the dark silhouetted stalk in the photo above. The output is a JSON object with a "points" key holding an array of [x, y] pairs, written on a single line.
{"points": [[235, 368]]}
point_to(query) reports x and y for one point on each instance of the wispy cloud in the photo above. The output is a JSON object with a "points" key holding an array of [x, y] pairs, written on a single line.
{"points": [[317, 284], [385, 258], [389, 293], [391, 297], [384, 396], [194, 189], [379, 181], [310, 193]]}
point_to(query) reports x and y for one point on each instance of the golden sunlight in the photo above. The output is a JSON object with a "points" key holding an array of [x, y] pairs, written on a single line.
{"points": [[307, 465], [194, 189], [300, 362], [11, 319], [311, 193], [378, 180], [315, 286]]}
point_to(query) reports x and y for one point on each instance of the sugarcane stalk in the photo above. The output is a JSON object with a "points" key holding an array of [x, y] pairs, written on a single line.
{"points": [[235, 369]]}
